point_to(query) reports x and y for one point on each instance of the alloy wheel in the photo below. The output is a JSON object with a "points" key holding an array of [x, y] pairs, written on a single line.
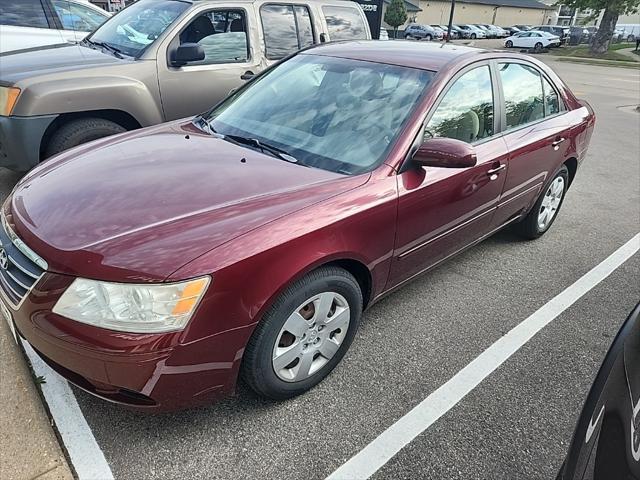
{"points": [[550, 203], [311, 336]]}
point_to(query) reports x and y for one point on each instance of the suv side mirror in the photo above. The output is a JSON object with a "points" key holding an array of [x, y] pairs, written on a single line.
{"points": [[185, 53], [446, 153]]}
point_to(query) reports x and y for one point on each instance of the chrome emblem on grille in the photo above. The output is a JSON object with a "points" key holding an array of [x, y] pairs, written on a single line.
{"points": [[4, 261]]}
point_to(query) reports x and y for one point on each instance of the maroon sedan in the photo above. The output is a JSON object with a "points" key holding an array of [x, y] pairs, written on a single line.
{"points": [[154, 267]]}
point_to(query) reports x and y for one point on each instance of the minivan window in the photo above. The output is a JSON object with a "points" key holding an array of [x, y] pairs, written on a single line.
{"points": [[286, 29], [133, 29], [23, 13], [466, 111], [77, 17], [523, 94], [345, 116], [344, 23], [222, 34]]}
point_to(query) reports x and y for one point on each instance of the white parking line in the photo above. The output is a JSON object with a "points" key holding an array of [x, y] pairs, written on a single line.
{"points": [[370, 459], [86, 457]]}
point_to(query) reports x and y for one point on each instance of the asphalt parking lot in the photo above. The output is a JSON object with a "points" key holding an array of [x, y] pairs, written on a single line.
{"points": [[516, 424]]}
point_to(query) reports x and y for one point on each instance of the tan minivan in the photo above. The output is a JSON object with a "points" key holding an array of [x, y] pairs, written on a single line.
{"points": [[156, 60]]}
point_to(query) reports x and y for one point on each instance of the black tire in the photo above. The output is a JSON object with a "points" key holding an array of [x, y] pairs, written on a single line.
{"points": [[428, 38], [509, 44], [257, 367], [79, 131], [528, 227], [537, 47], [631, 38], [473, 36], [407, 37]]}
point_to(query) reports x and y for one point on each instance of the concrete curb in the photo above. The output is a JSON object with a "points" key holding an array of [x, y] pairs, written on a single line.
{"points": [[29, 448]]}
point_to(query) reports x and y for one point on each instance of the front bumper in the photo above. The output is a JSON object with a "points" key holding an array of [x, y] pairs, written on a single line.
{"points": [[149, 372], [20, 139]]}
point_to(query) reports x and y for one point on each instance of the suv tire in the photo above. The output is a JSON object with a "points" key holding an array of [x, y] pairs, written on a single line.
{"points": [[79, 131]]}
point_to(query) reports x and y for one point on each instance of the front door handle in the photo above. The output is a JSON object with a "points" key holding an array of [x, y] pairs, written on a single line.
{"points": [[557, 143], [248, 75], [493, 173]]}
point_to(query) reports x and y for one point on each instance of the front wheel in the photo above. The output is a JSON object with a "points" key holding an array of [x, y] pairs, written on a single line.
{"points": [[546, 208], [304, 335], [537, 47], [428, 38], [407, 37], [473, 36], [509, 44], [79, 131]]}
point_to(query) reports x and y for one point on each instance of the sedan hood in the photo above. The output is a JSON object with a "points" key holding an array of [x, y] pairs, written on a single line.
{"points": [[138, 206], [51, 59]]}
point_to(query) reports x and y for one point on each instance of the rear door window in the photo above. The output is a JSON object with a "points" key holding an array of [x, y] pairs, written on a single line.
{"points": [[344, 23], [23, 13], [523, 95], [287, 29]]}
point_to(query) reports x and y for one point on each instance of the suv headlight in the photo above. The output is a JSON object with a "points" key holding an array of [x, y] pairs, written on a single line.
{"points": [[135, 308], [8, 98]]}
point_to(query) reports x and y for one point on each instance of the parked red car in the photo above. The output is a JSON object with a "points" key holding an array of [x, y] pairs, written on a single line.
{"points": [[151, 268]]}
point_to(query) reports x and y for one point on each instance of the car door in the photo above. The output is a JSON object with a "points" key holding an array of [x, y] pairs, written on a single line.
{"points": [[26, 24], [535, 129], [233, 54], [347, 22], [442, 210]]}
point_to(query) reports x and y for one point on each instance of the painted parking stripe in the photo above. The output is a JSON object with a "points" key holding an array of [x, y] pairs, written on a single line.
{"points": [[87, 460], [391, 441]]}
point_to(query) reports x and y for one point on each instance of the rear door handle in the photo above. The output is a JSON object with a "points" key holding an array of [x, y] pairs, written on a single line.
{"points": [[557, 143], [493, 173], [248, 75]]}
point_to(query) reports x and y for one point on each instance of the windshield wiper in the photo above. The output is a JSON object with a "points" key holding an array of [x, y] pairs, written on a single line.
{"points": [[116, 51], [254, 142]]}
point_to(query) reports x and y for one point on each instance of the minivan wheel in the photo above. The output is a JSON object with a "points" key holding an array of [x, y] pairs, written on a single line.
{"points": [[546, 208], [304, 335], [509, 44], [79, 131]]}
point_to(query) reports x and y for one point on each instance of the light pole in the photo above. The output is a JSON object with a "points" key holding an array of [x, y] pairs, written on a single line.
{"points": [[453, 7]]}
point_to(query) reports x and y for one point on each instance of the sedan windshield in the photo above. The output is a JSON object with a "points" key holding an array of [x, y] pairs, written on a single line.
{"points": [[137, 26], [335, 114]]}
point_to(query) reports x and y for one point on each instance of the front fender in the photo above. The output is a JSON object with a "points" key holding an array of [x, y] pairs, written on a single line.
{"points": [[94, 92]]}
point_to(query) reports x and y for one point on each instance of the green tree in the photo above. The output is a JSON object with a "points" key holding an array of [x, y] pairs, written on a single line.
{"points": [[612, 10], [396, 15]]}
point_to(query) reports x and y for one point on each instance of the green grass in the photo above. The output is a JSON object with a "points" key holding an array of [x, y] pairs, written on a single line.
{"points": [[582, 51]]}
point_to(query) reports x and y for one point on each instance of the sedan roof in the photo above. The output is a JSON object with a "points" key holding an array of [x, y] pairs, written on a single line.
{"points": [[426, 56]]}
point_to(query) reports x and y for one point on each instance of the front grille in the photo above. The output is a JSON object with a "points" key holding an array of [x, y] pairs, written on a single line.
{"points": [[20, 267]]}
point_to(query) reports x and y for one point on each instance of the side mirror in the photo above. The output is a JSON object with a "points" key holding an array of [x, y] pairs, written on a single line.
{"points": [[446, 153], [185, 53]]}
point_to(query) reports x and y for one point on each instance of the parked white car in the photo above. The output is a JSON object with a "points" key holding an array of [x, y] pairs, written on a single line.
{"points": [[630, 31], [34, 23], [532, 39]]}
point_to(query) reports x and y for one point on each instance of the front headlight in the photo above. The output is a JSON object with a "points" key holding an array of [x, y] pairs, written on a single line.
{"points": [[135, 308], [8, 98]]}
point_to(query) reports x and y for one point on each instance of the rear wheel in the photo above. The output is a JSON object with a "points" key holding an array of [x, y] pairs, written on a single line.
{"points": [[546, 208], [428, 37], [509, 44], [407, 37], [79, 131], [304, 335], [631, 38], [473, 36]]}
